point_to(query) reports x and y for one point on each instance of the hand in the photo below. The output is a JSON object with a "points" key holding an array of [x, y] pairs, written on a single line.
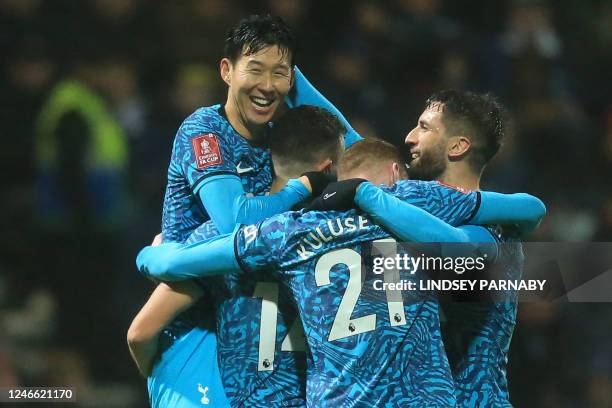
{"points": [[316, 181], [157, 240], [339, 195]]}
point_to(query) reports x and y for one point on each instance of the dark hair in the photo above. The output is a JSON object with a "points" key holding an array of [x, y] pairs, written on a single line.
{"points": [[479, 117], [255, 33], [304, 136], [366, 154]]}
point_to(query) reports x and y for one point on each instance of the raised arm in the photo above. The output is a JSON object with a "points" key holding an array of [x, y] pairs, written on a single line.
{"points": [[304, 93], [165, 303]]}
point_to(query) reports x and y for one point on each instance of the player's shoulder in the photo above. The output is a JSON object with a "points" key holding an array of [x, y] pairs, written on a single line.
{"points": [[425, 185], [407, 188], [428, 188], [204, 120], [283, 228], [402, 186], [286, 221], [441, 185]]}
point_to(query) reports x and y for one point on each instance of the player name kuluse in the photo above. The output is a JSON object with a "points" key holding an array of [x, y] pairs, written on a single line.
{"points": [[335, 228]]}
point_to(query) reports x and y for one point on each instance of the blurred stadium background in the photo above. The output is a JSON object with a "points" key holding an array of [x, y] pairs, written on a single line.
{"points": [[68, 286]]}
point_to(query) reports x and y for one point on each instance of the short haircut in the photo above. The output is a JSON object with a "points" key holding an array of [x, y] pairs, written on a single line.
{"points": [[366, 154], [305, 136], [479, 117], [255, 33]]}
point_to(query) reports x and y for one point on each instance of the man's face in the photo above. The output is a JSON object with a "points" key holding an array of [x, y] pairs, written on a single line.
{"points": [[258, 83], [428, 145]]}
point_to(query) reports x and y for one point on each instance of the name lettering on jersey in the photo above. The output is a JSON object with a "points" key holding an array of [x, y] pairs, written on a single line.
{"points": [[333, 229], [206, 151]]}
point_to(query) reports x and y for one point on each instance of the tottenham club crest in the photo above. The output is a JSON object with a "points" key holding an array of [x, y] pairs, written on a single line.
{"points": [[204, 391]]}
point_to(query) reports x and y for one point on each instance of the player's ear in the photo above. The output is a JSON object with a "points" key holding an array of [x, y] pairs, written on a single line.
{"points": [[292, 81], [325, 166], [225, 68], [458, 146], [396, 172]]}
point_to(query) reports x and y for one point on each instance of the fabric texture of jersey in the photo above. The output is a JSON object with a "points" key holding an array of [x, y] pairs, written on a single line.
{"points": [[260, 342], [187, 374], [207, 145], [478, 334], [366, 350]]}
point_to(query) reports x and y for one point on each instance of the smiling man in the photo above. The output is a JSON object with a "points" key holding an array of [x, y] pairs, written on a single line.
{"points": [[219, 174], [258, 74], [220, 171], [218, 157]]}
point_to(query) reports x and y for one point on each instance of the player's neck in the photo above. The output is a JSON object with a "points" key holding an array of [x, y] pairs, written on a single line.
{"points": [[278, 184], [462, 176], [239, 123]]}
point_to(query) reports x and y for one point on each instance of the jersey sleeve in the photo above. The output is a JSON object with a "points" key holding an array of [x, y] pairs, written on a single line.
{"points": [[406, 221], [174, 261], [201, 151], [228, 205], [520, 209], [412, 224]]}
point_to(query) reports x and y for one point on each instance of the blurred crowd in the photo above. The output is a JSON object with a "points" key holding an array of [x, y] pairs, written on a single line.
{"points": [[79, 206]]}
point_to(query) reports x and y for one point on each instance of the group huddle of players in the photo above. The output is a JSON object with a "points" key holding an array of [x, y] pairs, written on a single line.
{"points": [[264, 295]]}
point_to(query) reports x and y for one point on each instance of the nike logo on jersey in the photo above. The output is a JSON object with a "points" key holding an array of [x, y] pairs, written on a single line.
{"points": [[241, 169], [326, 196]]}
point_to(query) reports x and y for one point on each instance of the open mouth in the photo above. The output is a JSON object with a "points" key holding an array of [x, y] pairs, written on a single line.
{"points": [[261, 102]]}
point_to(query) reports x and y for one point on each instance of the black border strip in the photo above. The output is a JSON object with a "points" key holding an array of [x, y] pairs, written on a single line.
{"points": [[238, 260], [476, 208]]}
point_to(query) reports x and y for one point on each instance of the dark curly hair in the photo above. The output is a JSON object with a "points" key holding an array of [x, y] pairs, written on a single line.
{"points": [[479, 117]]}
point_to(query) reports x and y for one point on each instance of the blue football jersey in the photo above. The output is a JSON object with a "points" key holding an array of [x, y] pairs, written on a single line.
{"points": [[187, 373], [260, 342], [207, 145], [368, 347], [478, 334]]}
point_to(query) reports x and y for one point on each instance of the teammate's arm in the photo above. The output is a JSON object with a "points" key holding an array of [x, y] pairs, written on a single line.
{"points": [[204, 156], [413, 224], [249, 248], [495, 208], [173, 261], [304, 93], [520, 209], [166, 302], [227, 204]]}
